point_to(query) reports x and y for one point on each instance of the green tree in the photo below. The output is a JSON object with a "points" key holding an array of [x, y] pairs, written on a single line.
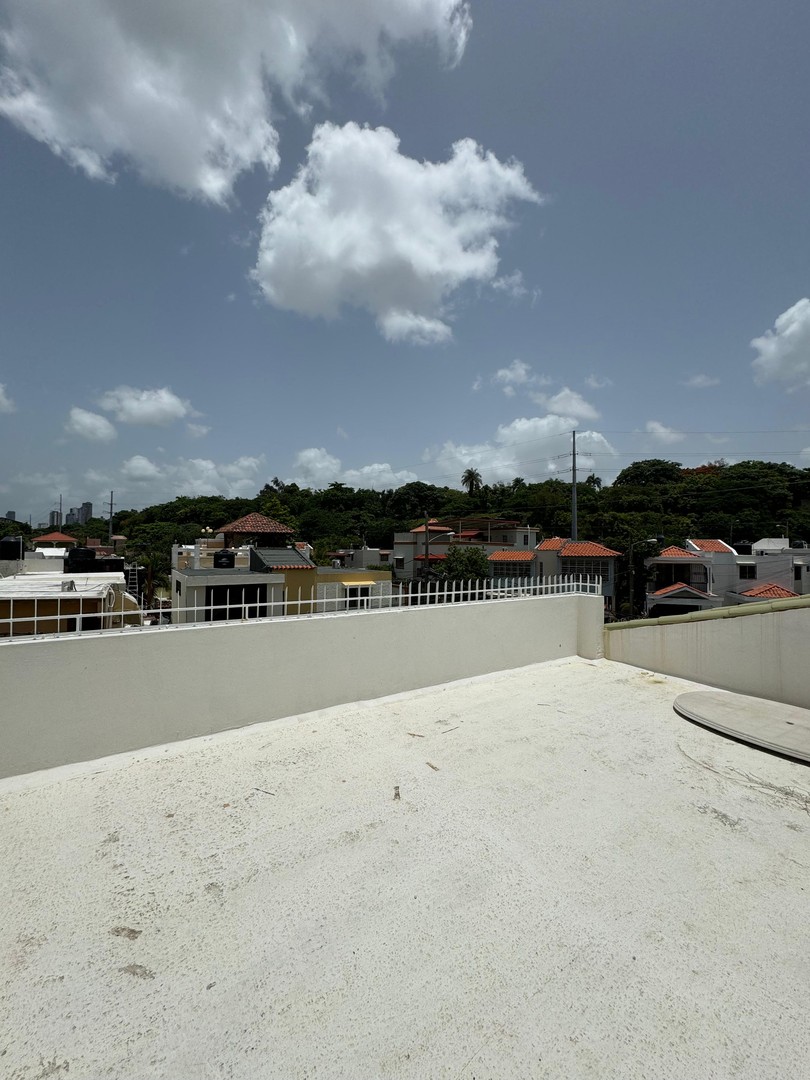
{"points": [[465, 564], [471, 480], [654, 471], [14, 528]]}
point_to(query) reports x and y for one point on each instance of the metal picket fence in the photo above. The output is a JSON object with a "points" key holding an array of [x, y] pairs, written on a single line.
{"points": [[72, 614]]}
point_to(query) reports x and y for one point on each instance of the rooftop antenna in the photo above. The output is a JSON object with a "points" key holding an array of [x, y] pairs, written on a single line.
{"points": [[111, 515]]}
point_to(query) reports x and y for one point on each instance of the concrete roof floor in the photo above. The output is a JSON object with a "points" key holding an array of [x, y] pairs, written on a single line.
{"points": [[574, 882]]}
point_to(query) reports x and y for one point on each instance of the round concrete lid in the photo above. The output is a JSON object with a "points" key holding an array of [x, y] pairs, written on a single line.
{"points": [[784, 729]]}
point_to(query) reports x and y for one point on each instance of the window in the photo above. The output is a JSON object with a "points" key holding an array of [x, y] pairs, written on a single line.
{"points": [[582, 567], [230, 602], [399, 562], [748, 572], [357, 596], [525, 539], [178, 587], [384, 556], [512, 570], [797, 573]]}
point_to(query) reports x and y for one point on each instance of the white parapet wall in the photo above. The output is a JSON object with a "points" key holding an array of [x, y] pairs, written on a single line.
{"points": [[80, 698], [758, 649]]}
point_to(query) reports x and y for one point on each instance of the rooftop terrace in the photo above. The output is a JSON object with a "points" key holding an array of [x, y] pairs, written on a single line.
{"points": [[538, 873]]}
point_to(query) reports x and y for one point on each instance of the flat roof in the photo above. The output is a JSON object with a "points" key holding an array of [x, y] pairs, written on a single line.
{"points": [[48, 585], [543, 872]]}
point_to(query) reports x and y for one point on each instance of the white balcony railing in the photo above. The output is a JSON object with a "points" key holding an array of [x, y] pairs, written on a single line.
{"points": [[74, 615]]}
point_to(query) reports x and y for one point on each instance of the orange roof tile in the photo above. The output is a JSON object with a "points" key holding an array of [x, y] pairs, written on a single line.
{"points": [[586, 549], [433, 526], [711, 545], [56, 537], [769, 591], [554, 543], [432, 557], [677, 587], [511, 556], [255, 523], [674, 552]]}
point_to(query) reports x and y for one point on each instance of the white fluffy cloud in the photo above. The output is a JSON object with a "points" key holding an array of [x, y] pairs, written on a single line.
{"points": [[515, 374], [154, 408], [157, 481], [569, 403], [6, 404], [315, 467], [182, 90], [532, 447], [197, 431], [520, 376], [365, 226], [90, 425], [784, 352], [663, 433], [139, 467]]}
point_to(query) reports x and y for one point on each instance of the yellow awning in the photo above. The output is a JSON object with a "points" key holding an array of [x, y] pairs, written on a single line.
{"points": [[355, 582]]}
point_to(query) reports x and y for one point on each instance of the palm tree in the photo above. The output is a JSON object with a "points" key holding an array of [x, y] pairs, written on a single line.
{"points": [[471, 480]]}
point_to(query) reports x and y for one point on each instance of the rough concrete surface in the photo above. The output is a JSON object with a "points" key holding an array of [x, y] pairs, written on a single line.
{"points": [[573, 882]]}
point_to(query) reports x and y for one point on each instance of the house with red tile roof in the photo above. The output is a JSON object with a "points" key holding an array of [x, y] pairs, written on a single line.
{"points": [[508, 563], [709, 573], [408, 555], [558, 555], [253, 570], [768, 591]]}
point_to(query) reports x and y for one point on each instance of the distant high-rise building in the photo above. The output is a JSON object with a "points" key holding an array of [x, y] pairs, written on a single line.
{"points": [[11, 515], [55, 519], [72, 516], [85, 512]]}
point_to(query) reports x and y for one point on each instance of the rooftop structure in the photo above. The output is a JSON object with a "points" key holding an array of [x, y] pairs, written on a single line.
{"points": [[255, 526], [541, 872], [56, 539]]}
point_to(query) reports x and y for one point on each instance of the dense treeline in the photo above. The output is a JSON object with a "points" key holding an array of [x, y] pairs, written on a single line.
{"points": [[649, 498]]}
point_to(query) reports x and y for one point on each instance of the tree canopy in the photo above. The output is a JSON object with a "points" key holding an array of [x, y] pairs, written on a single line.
{"points": [[465, 564]]}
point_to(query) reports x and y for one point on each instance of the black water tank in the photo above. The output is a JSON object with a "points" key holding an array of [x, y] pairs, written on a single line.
{"points": [[224, 559], [109, 564], [80, 560], [12, 548]]}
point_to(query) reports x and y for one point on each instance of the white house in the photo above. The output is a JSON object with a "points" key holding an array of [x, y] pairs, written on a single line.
{"points": [[436, 537], [710, 573]]}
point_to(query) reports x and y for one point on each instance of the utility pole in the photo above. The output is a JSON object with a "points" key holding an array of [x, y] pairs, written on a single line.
{"points": [[111, 514], [60, 512], [574, 485]]}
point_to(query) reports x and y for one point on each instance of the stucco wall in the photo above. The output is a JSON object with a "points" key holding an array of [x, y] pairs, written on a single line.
{"points": [[757, 649], [82, 698]]}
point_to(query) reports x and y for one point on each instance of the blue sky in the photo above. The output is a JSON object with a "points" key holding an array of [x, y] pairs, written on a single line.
{"points": [[382, 241]]}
